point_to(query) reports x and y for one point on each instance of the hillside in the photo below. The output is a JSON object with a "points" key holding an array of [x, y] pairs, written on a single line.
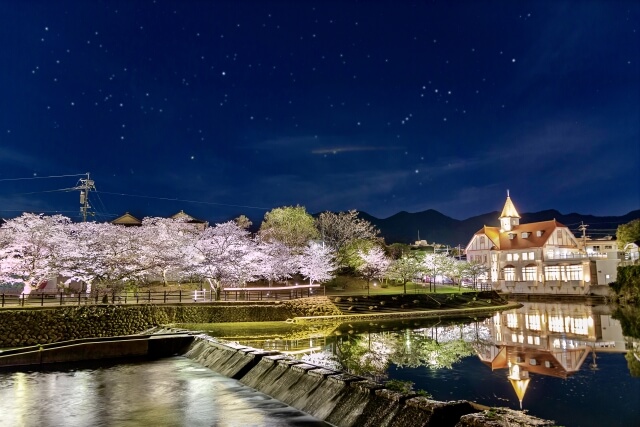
{"points": [[431, 225]]}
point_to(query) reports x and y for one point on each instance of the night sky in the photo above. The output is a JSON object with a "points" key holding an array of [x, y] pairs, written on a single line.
{"points": [[237, 107]]}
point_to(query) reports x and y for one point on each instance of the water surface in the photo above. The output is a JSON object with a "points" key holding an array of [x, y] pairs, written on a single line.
{"points": [[168, 392]]}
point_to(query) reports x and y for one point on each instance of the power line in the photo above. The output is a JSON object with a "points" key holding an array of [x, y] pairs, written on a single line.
{"points": [[41, 177], [183, 200]]}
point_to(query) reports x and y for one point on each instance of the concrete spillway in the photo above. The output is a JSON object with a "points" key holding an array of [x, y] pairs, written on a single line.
{"points": [[154, 346], [340, 399]]}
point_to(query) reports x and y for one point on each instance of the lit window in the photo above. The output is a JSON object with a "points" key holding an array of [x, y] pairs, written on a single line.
{"points": [[552, 272], [525, 256], [574, 272], [529, 273], [509, 257], [556, 324], [516, 257], [512, 320], [531, 256], [533, 322], [579, 326], [509, 274]]}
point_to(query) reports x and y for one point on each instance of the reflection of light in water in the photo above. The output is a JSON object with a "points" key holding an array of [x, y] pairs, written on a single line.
{"points": [[519, 380], [169, 392]]}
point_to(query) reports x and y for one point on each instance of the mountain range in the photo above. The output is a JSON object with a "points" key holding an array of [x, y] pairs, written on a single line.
{"points": [[435, 227]]}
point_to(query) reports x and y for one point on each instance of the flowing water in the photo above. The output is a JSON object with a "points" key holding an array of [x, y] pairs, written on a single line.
{"points": [[168, 392]]}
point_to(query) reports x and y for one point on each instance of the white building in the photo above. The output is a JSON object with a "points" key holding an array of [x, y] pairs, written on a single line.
{"points": [[540, 258]]}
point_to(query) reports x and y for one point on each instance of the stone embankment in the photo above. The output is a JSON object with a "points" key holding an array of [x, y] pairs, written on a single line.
{"points": [[342, 399], [31, 326]]}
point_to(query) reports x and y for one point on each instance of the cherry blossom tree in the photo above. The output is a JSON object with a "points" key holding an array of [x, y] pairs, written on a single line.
{"points": [[374, 264], [316, 262], [224, 253], [30, 248], [345, 232], [405, 269], [164, 243], [437, 265], [473, 271], [276, 261]]}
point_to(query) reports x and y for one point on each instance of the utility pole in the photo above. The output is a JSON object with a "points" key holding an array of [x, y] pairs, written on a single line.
{"points": [[85, 185], [583, 228]]}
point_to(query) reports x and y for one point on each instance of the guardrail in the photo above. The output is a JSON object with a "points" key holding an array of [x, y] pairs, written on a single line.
{"points": [[46, 299]]}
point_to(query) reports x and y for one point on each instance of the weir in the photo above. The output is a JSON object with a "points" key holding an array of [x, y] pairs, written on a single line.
{"points": [[335, 397]]}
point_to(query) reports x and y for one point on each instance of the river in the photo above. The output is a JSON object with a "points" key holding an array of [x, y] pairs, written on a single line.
{"points": [[567, 362]]}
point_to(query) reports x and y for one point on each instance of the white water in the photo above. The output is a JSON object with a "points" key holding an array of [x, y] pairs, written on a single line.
{"points": [[167, 392]]}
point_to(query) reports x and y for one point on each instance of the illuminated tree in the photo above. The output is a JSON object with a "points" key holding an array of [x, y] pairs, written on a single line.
{"points": [[224, 254], [164, 243], [405, 269], [290, 225], [473, 271], [437, 265], [316, 263], [346, 233], [628, 233], [276, 262], [30, 250], [374, 264]]}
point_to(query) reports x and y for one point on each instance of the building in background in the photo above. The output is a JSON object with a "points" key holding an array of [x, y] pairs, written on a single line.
{"points": [[543, 257]]}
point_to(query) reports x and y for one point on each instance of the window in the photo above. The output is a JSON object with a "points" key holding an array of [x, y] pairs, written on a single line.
{"points": [[608, 247], [485, 259], [529, 273], [596, 248], [509, 257], [533, 322], [516, 257], [482, 242], [509, 274], [556, 323], [579, 326], [552, 272], [574, 272], [512, 320], [531, 256], [525, 256]]}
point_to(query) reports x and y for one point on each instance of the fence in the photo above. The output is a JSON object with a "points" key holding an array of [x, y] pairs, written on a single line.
{"points": [[43, 299]]}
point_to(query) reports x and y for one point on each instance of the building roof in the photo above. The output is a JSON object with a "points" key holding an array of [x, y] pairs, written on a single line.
{"points": [[537, 234], [187, 218], [127, 219], [509, 210]]}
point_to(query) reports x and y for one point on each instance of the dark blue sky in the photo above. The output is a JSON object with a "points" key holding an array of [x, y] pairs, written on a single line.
{"points": [[379, 106]]}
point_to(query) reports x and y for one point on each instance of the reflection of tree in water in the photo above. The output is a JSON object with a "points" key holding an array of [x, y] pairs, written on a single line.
{"points": [[366, 354], [439, 347], [629, 317]]}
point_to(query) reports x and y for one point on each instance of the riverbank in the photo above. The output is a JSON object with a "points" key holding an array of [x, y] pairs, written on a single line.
{"points": [[33, 325]]}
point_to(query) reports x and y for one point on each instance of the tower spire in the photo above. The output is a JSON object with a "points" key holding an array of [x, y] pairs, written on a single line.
{"points": [[509, 217]]}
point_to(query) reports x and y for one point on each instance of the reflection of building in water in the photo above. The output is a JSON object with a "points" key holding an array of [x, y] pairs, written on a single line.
{"points": [[547, 339]]}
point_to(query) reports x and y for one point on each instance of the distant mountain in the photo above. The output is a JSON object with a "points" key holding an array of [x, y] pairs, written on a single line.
{"points": [[432, 226]]}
